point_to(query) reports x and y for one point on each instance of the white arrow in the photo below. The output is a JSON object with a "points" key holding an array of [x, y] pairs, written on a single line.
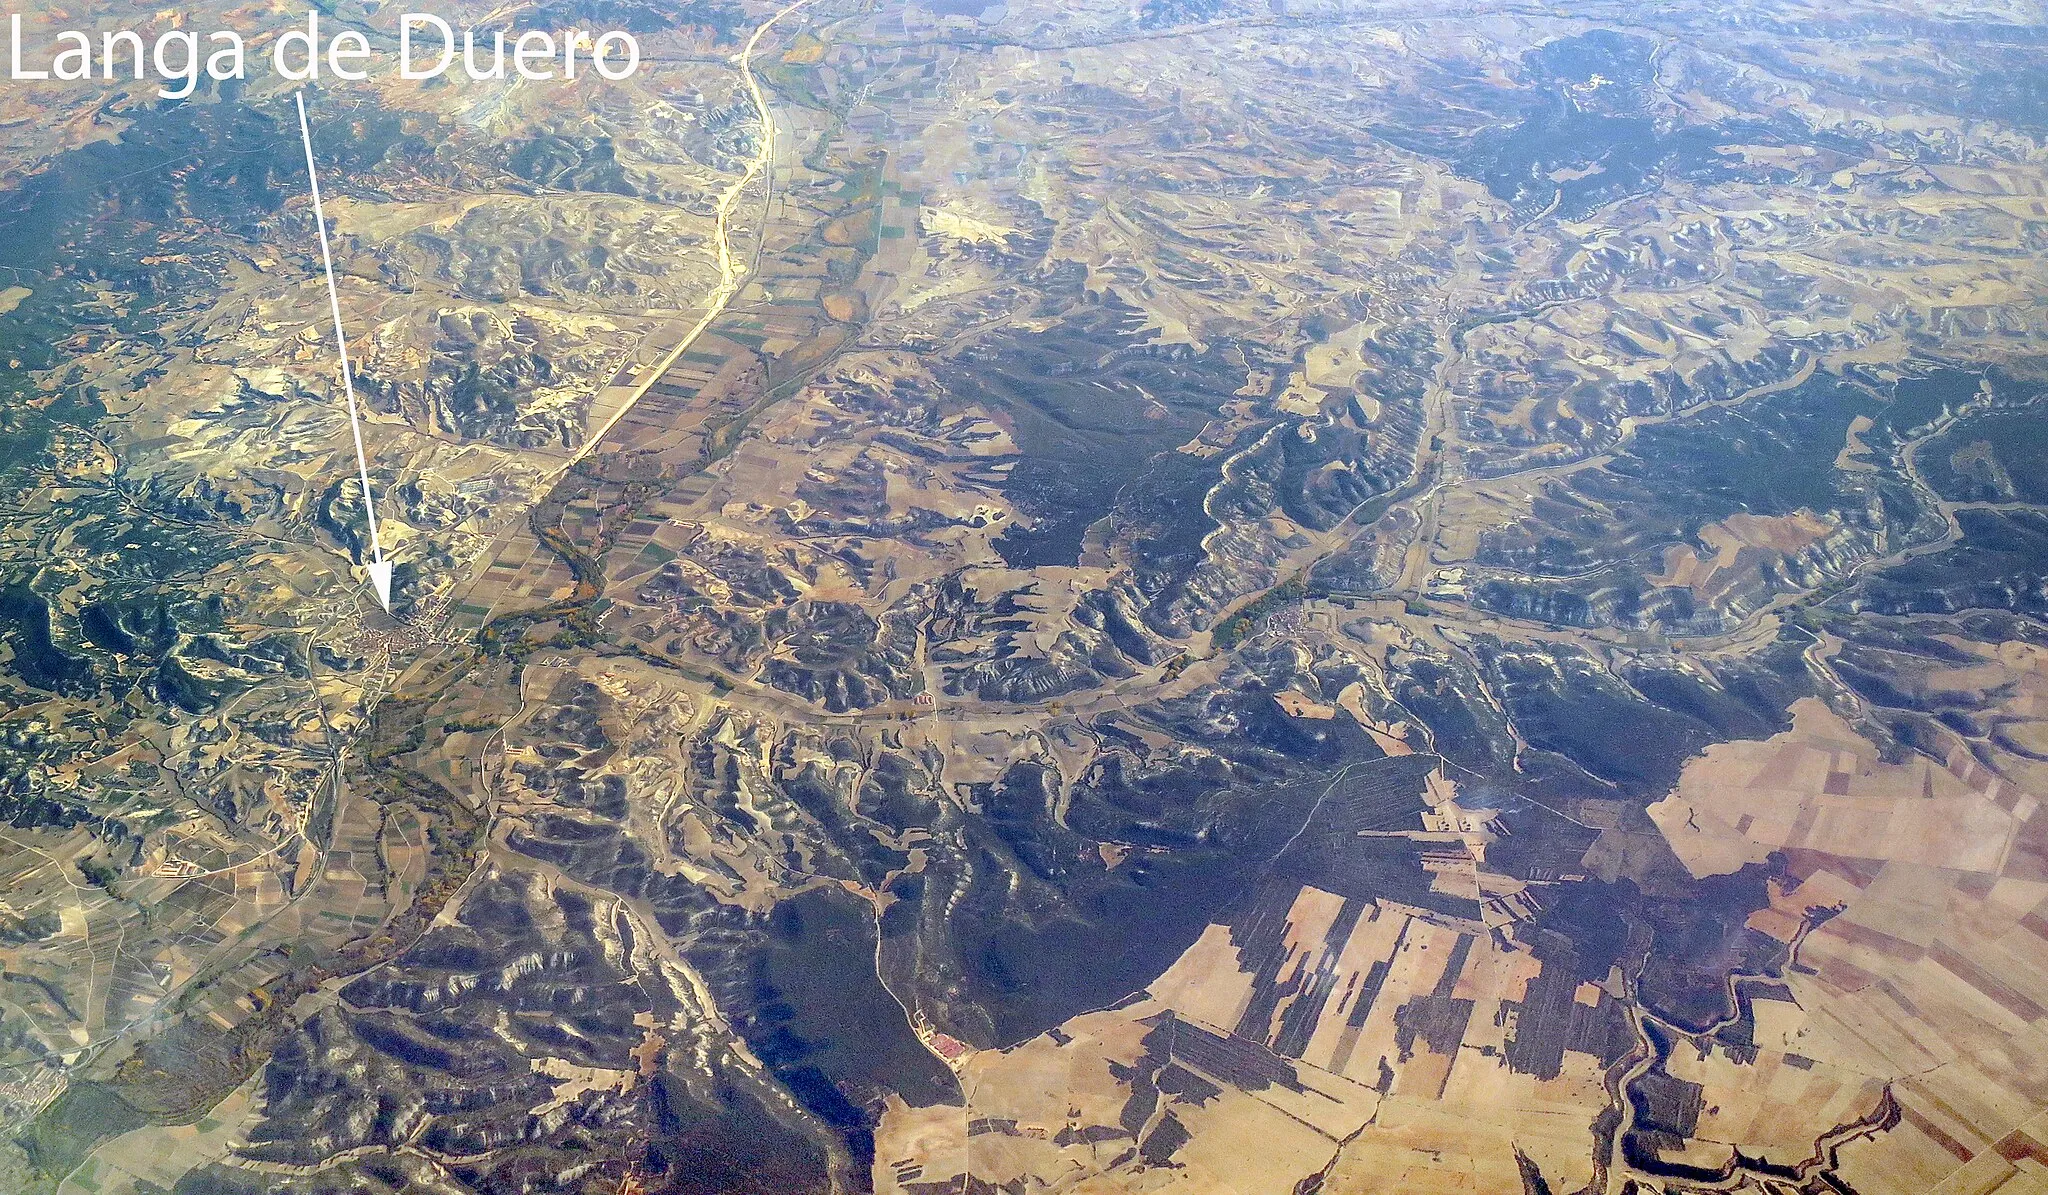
{"points": [[380, 568]]}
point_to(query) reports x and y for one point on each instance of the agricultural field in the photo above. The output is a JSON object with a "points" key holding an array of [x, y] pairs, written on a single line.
{"points": [[1217, 597]]}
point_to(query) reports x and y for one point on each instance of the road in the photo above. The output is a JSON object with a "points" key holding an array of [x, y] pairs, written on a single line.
{"points": [[730, 277]]}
